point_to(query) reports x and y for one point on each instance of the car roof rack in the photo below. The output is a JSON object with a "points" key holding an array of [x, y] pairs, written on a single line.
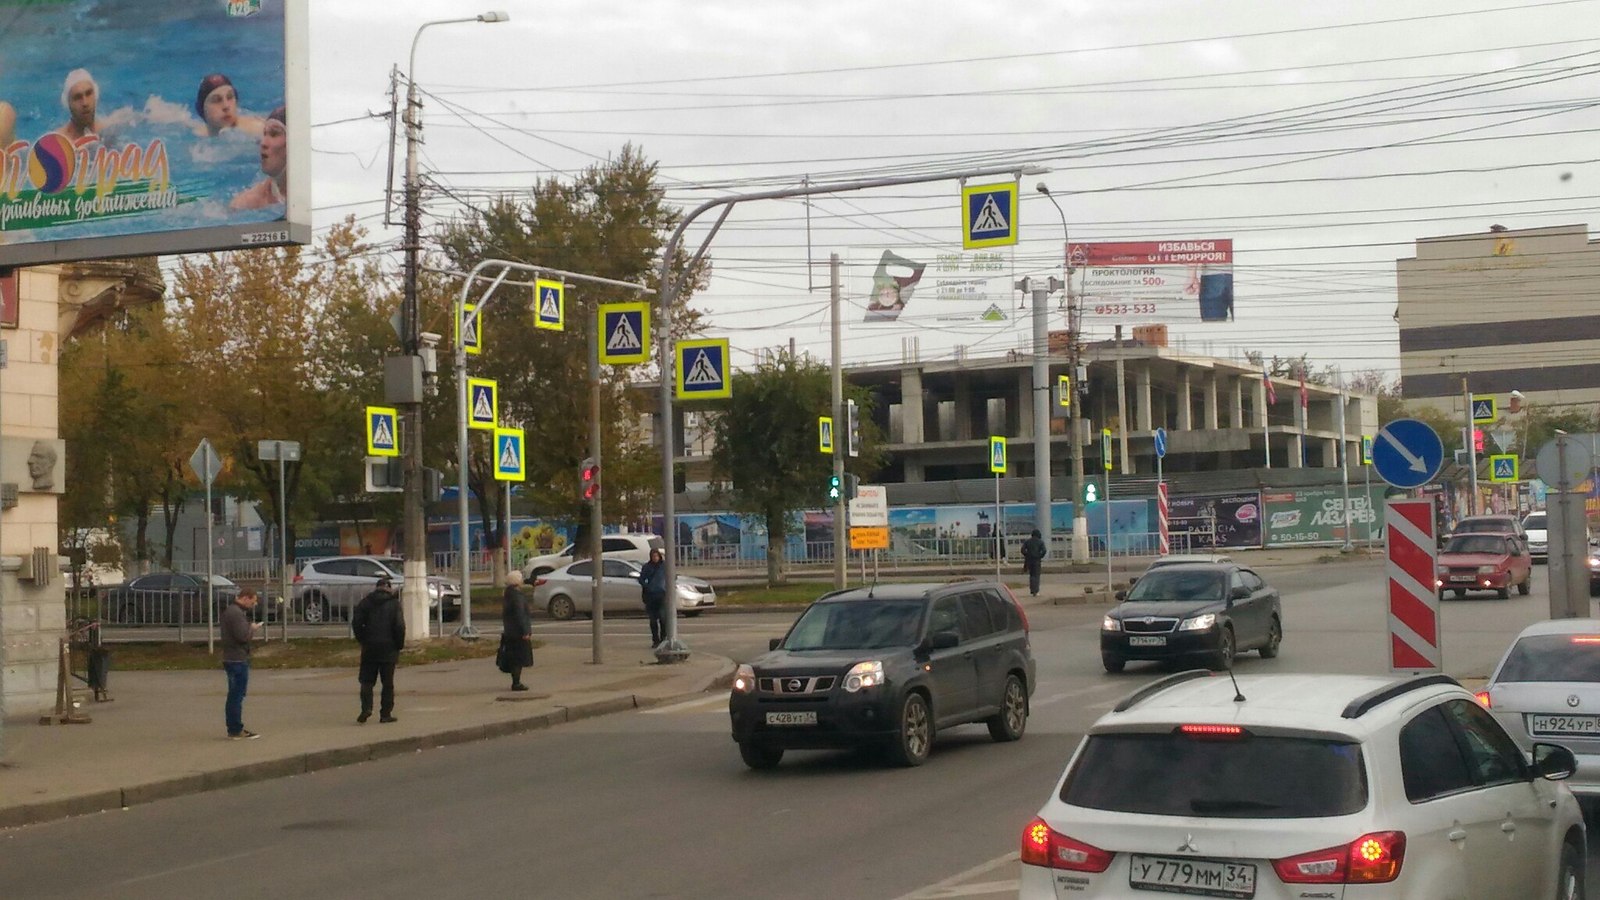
{"points": [[1364, 703], [1157, 686]]}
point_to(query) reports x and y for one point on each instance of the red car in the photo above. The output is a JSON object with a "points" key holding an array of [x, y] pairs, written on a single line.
{"points": [[1484, 562]]}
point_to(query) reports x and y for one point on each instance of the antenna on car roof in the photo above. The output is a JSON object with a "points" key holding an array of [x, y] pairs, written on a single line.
{"points": [[1238, 695]]}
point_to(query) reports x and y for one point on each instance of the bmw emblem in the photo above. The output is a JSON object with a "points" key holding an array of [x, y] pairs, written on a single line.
{"points": [[1572, 700]]}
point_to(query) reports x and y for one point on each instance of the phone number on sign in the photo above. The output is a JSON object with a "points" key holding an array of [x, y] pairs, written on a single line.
{"points": [[1124, 309]]}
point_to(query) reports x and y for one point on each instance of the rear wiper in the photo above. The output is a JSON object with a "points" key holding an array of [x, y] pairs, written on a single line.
{"points": [[1217, 806]]}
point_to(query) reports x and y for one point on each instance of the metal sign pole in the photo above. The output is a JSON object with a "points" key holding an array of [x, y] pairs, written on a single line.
{"points": [[211, 608], [997, 526], [1107, 493], [283, 546]]}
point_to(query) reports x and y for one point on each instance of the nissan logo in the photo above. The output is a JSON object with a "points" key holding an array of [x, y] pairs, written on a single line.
{"points": [[1572, 700], [796, 684]]}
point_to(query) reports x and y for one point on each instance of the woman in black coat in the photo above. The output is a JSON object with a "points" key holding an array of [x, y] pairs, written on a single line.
{"points": [[516, 640]]}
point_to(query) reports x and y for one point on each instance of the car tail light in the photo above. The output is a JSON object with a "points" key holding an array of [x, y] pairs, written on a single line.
{"points": [[1044, 846], [1586, 639], [1219, 732], [1370, 859], [539, 581], [1483, 699], [299, 578], [1017, 606]]}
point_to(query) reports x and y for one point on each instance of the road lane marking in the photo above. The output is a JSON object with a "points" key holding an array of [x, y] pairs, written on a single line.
{"points": [[1067, 695], [952, 886], [686, 705], [197, 865]]}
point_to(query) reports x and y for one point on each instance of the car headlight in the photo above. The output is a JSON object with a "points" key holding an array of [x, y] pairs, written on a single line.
{"points": [[433, 589], [1110, 624], [744, 679], [1594, 562], [863, 675], [1199, 623], [1487, 570]]}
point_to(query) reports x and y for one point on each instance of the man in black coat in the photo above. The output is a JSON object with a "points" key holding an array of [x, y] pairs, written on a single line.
{"points": [[516, 636], [379, 625], [1034, 551]]}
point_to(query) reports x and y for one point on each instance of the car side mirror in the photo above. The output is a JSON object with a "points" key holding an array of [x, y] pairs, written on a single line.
{"points": [[1553, 762], [944, 640], [1132, 580], [773, 643], [1121, 596], [1239, 593]]}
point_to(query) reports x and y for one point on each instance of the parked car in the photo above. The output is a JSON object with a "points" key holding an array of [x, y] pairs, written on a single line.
{"points": [[1199, 612], [165, 598], [1491, 525], [1293, 786], [568, 590], [632, 546], [328, 588], [1484, 562], [1547, 687], [1536, 527], [888, 667]]}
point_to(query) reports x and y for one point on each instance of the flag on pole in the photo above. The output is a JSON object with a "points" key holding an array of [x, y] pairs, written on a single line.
{"points": [[1272, 395], [1305, 398]]}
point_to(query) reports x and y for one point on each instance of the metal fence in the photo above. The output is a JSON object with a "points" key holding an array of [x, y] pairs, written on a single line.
{"points": [[909, 553], [180, 615]]}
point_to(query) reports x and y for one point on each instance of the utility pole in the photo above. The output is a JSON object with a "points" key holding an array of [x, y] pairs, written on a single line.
{"points": [[1122, 407], [1041, 402], [1470, 439], [840, 448], [1342, 457], [596, 519]]}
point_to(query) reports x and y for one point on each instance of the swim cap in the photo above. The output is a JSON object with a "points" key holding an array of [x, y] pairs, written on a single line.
{"points": [[207, 85]]}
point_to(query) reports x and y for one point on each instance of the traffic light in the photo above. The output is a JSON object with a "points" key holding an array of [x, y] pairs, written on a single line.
{"points": [[852, 415], [852, 486], [1477, 440], [432, 485], [589, 481], [835, 488]]}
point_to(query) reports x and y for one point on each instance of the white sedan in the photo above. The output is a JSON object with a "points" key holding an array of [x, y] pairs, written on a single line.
{"points": [[1547, 688], [565, 592]]}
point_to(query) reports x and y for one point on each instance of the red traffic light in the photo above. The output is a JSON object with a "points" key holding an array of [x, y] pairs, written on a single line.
{"points": [[589, 480]]}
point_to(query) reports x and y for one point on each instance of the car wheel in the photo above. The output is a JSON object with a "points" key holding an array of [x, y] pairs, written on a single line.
{"points": [[1223, 659], [1113, 664], [1526, 586], [314, 609], [1274, 640], [1569, 883], [759, 757], [1012, 719], [1503, 593], [914, 741], [561, 608]]}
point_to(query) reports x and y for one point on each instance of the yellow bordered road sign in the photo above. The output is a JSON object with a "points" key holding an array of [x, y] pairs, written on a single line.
{"points": [[549, 304], [383, 431], [624, 333], [825, 434], [483, 403], [997, 454], [702, 369], [989, 215], [472, 338], [510, 455]]}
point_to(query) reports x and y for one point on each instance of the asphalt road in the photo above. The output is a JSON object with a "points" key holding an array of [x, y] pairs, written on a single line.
{"points": [[657, 803]]}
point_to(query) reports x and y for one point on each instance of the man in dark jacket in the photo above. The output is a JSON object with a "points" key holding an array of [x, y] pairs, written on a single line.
{"points": [[1033, 554], [237, 632], [380, 627], [516, 635], [653, 586]]}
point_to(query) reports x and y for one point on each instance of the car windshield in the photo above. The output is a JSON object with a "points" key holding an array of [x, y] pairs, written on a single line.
{"points": [[857, 625], [1177, 583], [1534, 522], [1481, 526], [1553, 657], [1476, 543], [1250, 777]]}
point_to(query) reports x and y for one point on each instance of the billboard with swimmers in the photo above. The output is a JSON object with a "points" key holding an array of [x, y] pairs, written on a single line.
{"points": [[134, 128]]}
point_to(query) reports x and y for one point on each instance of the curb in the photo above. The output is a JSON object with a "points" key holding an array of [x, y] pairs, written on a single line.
{"points": [[322, 760]]}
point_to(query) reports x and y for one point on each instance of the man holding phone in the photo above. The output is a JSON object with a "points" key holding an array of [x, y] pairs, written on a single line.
{"points": [[237, 633]]}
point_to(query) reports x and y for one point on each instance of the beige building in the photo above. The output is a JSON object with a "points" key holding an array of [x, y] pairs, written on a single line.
{"points": [[1500, 311]]}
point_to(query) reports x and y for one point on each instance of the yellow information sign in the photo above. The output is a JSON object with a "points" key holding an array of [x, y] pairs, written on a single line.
{"points": [[825, 434], [869, 538]]}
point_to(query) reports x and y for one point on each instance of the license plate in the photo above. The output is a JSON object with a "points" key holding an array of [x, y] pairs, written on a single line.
{"points": [[1200, 877], [1565, 725], [1463, 578], [792, 718], [1147, 641]]}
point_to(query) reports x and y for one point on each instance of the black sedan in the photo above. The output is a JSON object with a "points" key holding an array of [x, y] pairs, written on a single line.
{"points": [[1203, 612], [165, 598]]}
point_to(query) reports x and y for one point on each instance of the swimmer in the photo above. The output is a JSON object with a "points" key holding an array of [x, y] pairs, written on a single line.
{"points": [[81, 96], [273, 189], [217, 105]]}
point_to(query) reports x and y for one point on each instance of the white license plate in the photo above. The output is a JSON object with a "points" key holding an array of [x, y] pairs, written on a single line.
{"points": [[1462, 578], [1147, 641], [1203, 877], [792, 718], [1564, 725]]}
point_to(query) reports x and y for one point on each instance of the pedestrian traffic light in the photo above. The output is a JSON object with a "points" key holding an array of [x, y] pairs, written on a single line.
{"points": [[589, 481], [835, 488], [852, 486], [852, 428]]}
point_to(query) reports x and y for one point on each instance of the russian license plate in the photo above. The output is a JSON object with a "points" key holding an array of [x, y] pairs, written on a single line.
{"points": [[1463, 578], [1564, 725], [1147, 640], [792, 718], [1202, 877]]}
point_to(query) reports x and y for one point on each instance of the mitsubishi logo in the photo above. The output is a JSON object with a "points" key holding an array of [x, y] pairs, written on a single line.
{"points": [[796, 685], [1188, 845], [1572, 700]]}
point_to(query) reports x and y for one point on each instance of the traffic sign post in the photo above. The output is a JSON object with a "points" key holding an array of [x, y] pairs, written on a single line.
{"points": [[997, 465], [1565, 465], [1407, 453], [1483, 411], [1503, 468], [825, 434], [510, 455], [383, 433], [1161, 493], [989, 216], [483, 404], [1413, 554], [469, 328], [284, 452], [206, 465], [702, 369], [625, 331], [550, 304]]}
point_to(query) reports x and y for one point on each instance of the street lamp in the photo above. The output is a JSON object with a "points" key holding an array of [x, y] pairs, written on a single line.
{"points": [[1080, 519], [415, 601]]}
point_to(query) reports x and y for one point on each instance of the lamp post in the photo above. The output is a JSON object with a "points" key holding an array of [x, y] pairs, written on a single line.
{"points": [[1080, 519], [415, 600]]}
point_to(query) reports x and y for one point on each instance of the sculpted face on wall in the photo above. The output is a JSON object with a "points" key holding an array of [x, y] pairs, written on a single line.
{"points": [[34, 465]]}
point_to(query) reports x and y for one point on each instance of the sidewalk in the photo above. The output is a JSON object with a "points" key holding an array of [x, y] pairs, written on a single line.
{"points": [[162, 735]]}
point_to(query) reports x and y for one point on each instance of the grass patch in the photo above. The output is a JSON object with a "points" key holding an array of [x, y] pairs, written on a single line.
{"points": [[783, 595], [298, 653]]}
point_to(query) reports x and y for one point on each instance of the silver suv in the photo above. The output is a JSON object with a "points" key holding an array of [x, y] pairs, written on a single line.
{"points": [[328, 588], [636, 547]]}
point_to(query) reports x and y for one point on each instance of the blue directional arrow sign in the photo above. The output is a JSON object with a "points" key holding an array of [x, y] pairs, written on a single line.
{"points": [[1161, 443], [1407, 453]]}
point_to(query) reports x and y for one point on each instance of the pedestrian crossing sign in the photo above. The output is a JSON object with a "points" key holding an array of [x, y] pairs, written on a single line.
{"points": [[997, 455], [469, 328], [550, 304], [1483, 411], [702, 368], [383, 431], [625, 333], [1503, 468], [825, 434], [1064, 391], [1366, 449], [989, 216], [483, 403], [510, 455]]}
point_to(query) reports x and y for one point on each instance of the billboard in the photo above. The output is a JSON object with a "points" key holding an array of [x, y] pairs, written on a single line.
{"points": [[1315, 516], [1218, 521], [1165, 282], [136, 128], [948, 287]]}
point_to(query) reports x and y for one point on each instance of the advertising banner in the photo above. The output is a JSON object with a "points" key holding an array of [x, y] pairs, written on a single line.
{"points": [[948, 287], [129, 128], [1313, 516], [1171, 282], [1218, 521]]}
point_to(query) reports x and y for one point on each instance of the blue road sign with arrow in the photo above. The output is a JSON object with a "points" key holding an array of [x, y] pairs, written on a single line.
{"points": [[1407, 453], [1161, 443]]}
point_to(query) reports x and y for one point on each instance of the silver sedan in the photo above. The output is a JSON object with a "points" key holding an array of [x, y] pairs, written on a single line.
{"points": [[565, 592], [1547, 688]]}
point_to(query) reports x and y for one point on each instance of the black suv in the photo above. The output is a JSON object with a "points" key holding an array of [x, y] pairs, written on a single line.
{"points": [[887, 667], [1205, 612]]}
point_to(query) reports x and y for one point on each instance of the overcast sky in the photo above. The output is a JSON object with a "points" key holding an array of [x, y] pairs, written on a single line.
{"points": [[1323, 139]]}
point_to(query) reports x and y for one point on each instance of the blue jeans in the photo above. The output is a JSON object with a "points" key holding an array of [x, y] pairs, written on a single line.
{"points": [[238, 682]]}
